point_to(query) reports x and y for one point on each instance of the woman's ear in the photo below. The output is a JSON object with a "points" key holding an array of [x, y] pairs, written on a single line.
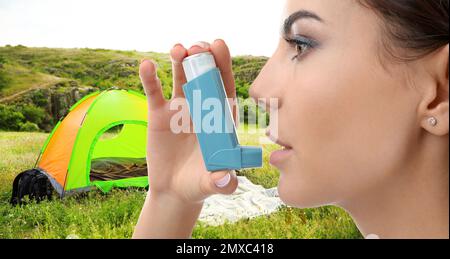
{"points": [[434, 108]]}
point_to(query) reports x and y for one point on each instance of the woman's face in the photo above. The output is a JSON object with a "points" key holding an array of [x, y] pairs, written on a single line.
{"points": [[346, 113]]}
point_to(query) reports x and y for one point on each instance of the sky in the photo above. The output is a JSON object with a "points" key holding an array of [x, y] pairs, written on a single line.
{"points": [[250, 27]]}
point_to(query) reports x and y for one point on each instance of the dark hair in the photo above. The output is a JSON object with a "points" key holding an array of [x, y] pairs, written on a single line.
{"points": [[418, 26]]}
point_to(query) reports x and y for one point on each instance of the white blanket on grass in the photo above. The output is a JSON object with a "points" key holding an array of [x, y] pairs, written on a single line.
{"points": [[247, 202]]}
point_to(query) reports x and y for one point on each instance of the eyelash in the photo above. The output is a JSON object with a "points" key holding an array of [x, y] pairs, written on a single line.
{"points": [[302, 45]]}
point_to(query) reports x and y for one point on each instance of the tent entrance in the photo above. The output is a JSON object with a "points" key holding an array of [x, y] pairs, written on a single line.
{"points": [[113, 168], [119, 153]]}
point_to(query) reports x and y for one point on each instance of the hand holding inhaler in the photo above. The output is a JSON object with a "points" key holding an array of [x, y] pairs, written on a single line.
{"points": [[179, 177], [175, 161]]}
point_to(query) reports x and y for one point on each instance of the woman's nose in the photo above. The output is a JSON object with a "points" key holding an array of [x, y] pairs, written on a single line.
{"points": [[264, 90]]}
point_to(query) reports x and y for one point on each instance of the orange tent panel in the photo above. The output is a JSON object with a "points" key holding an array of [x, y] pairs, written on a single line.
{"points": [[56, 157]]}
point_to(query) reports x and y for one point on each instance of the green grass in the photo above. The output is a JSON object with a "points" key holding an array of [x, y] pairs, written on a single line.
{"points": [[113, 215]]}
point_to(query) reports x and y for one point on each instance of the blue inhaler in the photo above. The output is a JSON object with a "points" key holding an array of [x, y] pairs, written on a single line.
{"points": [[220, 146]]}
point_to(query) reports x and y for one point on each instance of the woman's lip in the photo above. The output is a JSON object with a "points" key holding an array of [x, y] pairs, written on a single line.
{"points": [[277, 157], [277, 140]]}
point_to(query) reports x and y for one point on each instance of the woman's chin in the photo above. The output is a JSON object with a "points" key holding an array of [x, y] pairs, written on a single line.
{"points": [[297, 194]]}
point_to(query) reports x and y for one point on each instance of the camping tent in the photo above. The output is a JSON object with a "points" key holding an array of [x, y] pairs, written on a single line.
{"points": [[83, 152]]}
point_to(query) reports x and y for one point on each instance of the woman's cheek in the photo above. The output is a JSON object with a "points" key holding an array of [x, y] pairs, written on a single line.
{"points": [[310, 111], [347, 134], [329, 123]]}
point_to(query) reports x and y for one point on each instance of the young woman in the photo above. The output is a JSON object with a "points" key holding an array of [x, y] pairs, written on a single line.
{"points": [[363, 116]]}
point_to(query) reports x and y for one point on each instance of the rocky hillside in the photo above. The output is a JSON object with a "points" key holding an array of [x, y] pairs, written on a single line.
{"points": [[39, 85]]}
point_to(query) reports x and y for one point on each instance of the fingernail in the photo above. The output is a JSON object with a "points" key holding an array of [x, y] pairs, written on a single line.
{"points": [[177, 45], [155, 73], [155, 64], [151, 61], [224, 181], [201, 44]]}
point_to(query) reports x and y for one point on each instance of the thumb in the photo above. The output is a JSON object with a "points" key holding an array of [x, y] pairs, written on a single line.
{"points": [[222, 182]]}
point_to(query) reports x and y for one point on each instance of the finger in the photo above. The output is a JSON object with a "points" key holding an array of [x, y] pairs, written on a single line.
{"points": [[223, 60], [152, 84], [199, 47], [177, 55], [223, 182]]}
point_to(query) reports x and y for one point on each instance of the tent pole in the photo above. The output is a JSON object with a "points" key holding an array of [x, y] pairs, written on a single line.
{"points": [[37, 160]]}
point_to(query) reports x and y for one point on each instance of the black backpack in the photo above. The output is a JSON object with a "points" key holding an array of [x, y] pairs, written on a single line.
{"points": [[33, 183]]}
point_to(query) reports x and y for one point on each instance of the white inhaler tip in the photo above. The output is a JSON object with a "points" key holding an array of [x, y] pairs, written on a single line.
{"points": [[198, 64]]}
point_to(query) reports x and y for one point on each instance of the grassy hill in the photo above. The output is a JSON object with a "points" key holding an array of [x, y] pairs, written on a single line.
{"points": [[88, 67], [23, 68], [49, 81]]}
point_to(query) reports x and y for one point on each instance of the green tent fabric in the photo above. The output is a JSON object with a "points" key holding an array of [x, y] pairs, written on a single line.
{"points": [[77, 141]]}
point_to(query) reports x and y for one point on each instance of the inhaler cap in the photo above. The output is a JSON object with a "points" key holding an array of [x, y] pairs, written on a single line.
{"points": [[198, 64]]}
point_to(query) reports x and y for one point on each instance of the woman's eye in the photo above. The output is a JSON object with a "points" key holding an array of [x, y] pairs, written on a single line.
{"points": [[302, 45], [301, 49]]}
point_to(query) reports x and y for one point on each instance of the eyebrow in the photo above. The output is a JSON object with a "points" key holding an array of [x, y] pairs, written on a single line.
{"points": [[302, 14]]}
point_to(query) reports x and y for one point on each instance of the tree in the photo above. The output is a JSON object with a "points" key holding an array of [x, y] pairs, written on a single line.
{"points": [[10, 119]]}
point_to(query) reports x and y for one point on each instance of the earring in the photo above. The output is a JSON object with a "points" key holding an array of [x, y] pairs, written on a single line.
{"points": [[433, 121]]}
